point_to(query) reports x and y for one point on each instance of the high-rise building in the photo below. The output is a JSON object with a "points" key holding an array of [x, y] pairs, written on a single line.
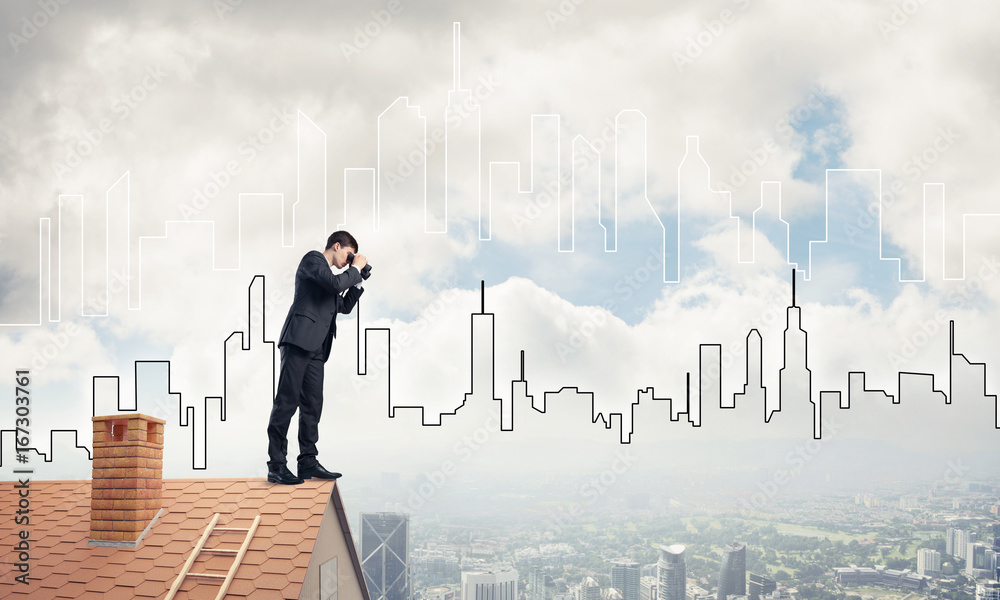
{"points": [[492, 585], [647, 588], [541, 586], [988, 567], [988, 590], [975, 560], [671, 573], [949, 541], [385, 551], [733, 573], [589, 589], [760, 585], [928, 562], [962, 540], [625, 578]]}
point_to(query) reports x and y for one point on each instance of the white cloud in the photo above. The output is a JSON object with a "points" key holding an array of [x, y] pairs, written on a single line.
{"points": [[224, 78]]}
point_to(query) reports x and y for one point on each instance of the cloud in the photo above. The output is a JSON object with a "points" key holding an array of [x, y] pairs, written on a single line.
{"points": [[209, 113]]}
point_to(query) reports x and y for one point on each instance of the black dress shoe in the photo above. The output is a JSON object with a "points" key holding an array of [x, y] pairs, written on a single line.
{"points": [[283, 476], [318, 472]]}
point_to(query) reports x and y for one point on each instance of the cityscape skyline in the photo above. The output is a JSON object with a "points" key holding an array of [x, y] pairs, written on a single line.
{"points": [[702, 285], [459, 174]]}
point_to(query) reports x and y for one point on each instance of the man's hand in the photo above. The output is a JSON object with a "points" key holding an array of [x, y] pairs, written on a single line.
{"points": [[359, 261]]}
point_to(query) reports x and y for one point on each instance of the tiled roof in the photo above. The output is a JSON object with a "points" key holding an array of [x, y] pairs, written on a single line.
{"points": [[63, 565]]}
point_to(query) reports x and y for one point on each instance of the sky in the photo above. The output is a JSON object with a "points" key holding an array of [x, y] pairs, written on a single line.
{"points": [[526, 159]]}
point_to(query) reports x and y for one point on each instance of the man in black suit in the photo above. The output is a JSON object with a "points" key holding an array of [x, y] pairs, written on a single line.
{"points": [[305, 342]]}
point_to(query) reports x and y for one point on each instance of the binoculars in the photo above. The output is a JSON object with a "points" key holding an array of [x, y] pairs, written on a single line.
{"points": [[365, 272]]}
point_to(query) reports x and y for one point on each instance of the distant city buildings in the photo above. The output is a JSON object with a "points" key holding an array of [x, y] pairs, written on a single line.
{"points": [[554, 572], [975, 559], [854, 575], [928, 562], [759, 586], [589, 589], [436, 565], [694, 592], [492, 585], [647, 588], [625, 577], [540, 585], [441, 592], [385, 555], [733, 573], [963, 540], [988, 590], [957, 542], [671, 573], [981, 561], [868, 500], [981, 487]]}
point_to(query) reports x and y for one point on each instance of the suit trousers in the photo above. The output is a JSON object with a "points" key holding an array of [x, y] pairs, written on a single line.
{"points": [[300, 386]]}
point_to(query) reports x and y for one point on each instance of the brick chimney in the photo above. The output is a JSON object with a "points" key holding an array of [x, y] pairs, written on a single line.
{"points": [[127, 491]]}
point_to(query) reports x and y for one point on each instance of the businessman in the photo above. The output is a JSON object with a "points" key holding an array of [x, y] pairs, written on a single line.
{"points": [[305, 342]]}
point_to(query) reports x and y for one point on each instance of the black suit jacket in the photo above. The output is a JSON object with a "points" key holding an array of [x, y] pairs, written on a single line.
{"points": [[311, 323]]}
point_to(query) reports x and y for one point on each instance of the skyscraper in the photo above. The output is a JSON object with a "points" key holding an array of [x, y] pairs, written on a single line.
{"points": [[962, 540], [385, 552], [589, 589], [647, 588], [733, 573], [540, 585], [492, 585], [975, 559], [795, 377], [928, 562], [760, 585], [671, 573], [625, 578]]}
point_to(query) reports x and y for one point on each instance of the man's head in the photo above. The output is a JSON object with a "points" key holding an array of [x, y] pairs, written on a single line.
{"points": [[338, 246]]}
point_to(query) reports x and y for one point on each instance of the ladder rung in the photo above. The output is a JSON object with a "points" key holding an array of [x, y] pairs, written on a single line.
{"points": [[200, 547]]}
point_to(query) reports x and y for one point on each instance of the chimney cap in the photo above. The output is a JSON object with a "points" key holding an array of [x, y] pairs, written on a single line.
{"points": [[124, 416]]}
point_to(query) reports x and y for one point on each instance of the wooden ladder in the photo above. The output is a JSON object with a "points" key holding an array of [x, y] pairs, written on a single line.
{"points": [[200, 547]]}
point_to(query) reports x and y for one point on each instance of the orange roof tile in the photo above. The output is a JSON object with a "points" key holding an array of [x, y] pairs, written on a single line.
{"points": [[63, 565]]}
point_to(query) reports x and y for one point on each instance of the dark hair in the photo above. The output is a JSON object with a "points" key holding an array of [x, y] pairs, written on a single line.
{"points": [[343, 238]]}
